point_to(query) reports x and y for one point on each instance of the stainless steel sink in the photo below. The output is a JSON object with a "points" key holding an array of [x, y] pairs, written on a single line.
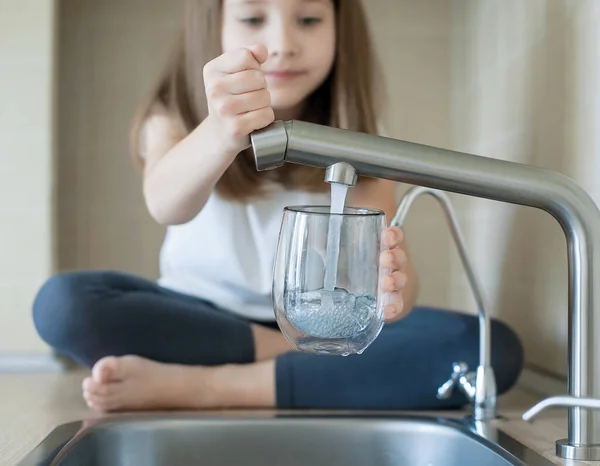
{"points": [[285, 440]]}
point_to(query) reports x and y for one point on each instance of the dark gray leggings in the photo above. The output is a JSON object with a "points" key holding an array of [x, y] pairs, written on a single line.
{"points": [[89, 315]]}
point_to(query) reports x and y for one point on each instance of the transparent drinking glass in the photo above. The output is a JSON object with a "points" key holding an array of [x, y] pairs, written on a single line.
{"points": [[329, 309]]}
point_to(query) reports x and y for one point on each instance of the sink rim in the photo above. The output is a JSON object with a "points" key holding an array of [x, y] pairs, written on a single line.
{"points": [[65, 436]]}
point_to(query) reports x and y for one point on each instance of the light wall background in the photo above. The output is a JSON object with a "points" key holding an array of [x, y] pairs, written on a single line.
{"points": [[27, 247], [502, 78]]}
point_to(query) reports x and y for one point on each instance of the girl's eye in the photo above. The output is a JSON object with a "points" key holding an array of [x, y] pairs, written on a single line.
{"points": [[309, 21], [252, 21]]}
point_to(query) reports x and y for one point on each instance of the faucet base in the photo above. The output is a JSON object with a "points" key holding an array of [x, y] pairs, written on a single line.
{"points": [[577, 452]]}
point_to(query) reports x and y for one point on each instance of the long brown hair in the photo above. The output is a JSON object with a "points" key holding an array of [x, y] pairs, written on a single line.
{"points": [[346, 99]]}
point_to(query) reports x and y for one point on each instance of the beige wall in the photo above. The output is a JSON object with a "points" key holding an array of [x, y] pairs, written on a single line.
{"points": [[110, 53], [26, 125]]}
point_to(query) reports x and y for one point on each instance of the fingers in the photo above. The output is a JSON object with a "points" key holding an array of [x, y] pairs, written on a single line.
{"points": [[256, 119], [393, 259], [395, 308], [242, 125], [243, 103], [260, 53], [234, 62], [239, 83], [395, 281], [237, 96], [393, 237]]}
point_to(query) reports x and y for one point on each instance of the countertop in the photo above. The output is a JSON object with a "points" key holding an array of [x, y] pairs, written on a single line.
{"points": [[31, 405]]}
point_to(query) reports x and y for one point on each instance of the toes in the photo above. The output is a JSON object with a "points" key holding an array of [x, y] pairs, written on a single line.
{"points": [[108, 387], [101, 403], [100, 396], [97, 405], [101, 389], [91, 400], [87, 384], [108, 369]]}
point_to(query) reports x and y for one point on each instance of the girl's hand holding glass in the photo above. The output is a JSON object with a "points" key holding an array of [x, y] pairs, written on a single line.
{"points": [[393, 260]]}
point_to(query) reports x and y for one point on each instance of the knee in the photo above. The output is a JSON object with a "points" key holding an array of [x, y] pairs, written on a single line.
{"points": [[58, 306], [507, 356]]}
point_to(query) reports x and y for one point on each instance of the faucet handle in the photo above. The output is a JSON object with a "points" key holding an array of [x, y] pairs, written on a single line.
{"points": [[459, 369]]}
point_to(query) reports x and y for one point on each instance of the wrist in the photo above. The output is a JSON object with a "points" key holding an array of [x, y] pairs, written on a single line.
{"points": [[224, 147]]}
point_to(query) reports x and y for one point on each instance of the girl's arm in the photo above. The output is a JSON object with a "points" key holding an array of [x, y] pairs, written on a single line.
{"points": [[381, 194], [180, 173]]}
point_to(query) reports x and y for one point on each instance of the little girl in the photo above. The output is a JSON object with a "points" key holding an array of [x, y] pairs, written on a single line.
{"points": [[205, 335]]}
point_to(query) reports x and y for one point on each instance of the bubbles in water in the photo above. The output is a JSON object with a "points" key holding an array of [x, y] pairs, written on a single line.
{"points": [[344, 315]]}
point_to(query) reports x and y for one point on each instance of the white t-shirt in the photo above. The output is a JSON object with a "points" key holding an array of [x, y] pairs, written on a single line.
{"points": [[226, 253]]}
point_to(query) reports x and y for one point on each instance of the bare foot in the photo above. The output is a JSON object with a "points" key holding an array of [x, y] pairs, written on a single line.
{"points": [[131, 382], [135, 383]]}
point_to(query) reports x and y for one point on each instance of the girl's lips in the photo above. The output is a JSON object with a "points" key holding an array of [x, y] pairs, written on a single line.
{"points": [[284, 74]]}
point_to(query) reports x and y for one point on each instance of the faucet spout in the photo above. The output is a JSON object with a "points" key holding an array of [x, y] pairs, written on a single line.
{"points": [[374, 156], [341, 173]]}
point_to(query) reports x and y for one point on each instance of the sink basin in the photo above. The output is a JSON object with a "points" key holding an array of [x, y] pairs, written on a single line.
{"points": [[285, 440]]}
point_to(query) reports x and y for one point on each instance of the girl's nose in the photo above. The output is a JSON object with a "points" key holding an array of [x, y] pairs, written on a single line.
{"points": [[283, 41]]}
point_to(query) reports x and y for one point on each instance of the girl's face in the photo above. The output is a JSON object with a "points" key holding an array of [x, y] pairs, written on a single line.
{"points": [[300, 37]]}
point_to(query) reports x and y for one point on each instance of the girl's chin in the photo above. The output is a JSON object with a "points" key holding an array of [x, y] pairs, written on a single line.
{"points": [[286, 102]]}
